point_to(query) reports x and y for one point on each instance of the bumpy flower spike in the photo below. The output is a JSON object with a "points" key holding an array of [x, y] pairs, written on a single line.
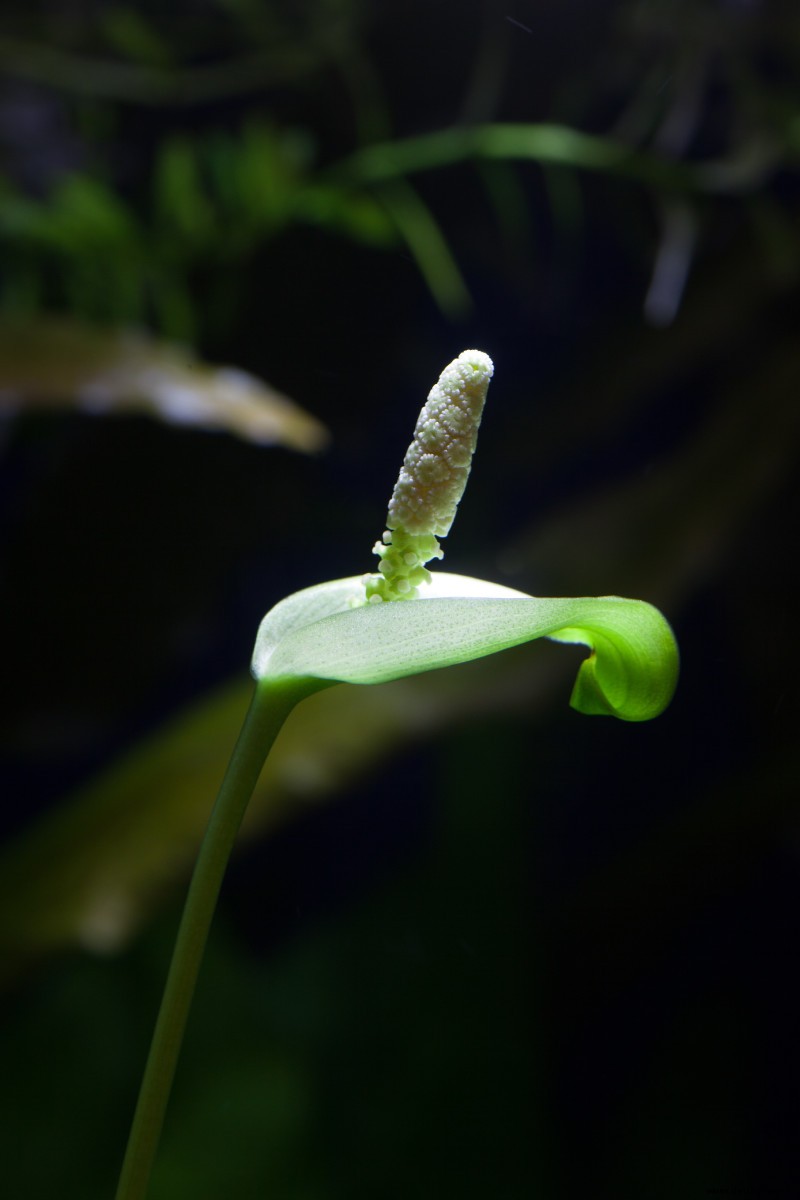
{"points": [[432, 478]]}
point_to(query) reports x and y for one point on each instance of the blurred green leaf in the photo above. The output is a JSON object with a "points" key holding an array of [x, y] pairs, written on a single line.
{"points": [[129, 31], [425, 240], [180, 201], [82, 214]]}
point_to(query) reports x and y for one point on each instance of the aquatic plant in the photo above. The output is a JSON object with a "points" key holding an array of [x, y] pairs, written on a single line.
{"points": [[373, 628]]}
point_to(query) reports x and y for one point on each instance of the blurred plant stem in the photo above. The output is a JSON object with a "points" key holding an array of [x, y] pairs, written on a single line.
{"points": [[109, 79], [746, 166], [271, 704]]}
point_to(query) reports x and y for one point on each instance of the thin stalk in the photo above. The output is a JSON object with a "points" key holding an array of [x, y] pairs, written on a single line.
{"points": [[271, 704], [542, 143]]}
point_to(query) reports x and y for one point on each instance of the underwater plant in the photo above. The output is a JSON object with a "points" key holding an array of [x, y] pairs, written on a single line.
{"points": [[400, 620]]}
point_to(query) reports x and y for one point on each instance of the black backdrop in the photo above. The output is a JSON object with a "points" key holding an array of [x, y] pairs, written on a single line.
{"points": [[526, 953]]}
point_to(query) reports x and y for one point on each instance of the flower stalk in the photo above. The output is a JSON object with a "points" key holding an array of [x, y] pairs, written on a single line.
{"points": [[270, 706]]}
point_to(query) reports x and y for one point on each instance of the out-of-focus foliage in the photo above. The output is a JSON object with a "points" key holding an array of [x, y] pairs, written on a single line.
{"points": [[129, 230], [54, 363], [214, 201]]}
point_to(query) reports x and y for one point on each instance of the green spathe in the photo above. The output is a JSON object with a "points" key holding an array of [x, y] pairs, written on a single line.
{"points": [[318, 633]]}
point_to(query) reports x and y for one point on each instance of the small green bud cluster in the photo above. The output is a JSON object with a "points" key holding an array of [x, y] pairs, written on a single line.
{"points": [[432, 478], [403, 556]]}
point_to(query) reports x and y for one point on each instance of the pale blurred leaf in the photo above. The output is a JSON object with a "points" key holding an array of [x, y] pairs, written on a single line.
{"points": [[89, 872], [51, 362]]}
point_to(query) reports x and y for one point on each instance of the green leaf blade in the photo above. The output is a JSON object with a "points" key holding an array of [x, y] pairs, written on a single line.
{"points": [[631, 672]]}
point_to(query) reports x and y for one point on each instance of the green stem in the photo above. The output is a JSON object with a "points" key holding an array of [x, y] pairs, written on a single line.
{"points": [[542, 143], [269, 708]]}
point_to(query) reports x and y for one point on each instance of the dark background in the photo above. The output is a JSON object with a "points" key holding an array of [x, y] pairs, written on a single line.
{"points": [[522, 952]]}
